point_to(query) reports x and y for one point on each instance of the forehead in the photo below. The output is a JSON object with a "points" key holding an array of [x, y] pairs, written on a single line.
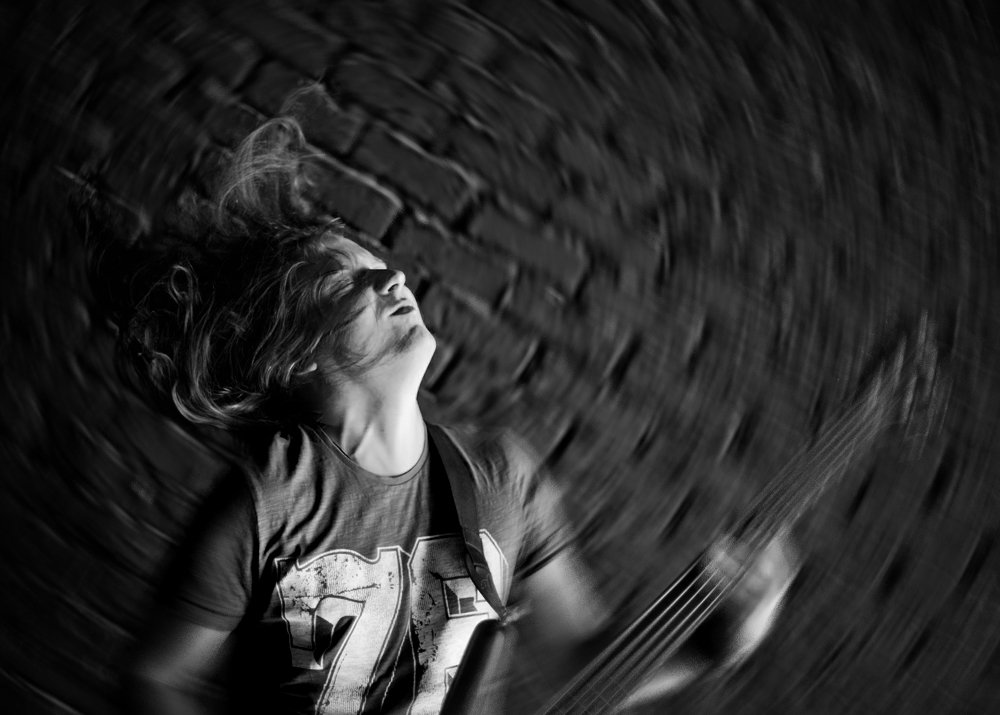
{"points": [[351, 252]]}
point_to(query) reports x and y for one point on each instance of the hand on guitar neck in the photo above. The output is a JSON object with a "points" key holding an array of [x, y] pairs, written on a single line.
{"points": [[760, 582], [715, 616], [719, 610], [752, 587]]}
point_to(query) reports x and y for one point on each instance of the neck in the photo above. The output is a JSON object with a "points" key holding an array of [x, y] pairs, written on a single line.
{"points": [[383, 433]]}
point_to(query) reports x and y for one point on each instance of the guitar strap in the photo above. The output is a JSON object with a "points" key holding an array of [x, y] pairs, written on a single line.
{"points": [[456, 466]]}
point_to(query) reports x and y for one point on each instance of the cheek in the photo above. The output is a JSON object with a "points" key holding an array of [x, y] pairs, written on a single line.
{"points": [[347, 329], [359, 334]]}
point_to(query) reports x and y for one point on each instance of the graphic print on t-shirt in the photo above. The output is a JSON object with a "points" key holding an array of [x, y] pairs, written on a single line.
{"points": [[342, 609]]}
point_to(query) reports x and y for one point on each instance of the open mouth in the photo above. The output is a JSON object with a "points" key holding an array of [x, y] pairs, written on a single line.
{"points": [[402, 310]]}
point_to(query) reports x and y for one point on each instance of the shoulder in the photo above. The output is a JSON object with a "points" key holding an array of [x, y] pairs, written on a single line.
{"points": [[289, 454], [499, 455]]}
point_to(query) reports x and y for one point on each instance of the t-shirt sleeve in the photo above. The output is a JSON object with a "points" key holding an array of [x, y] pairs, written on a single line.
{"points": [[547, 529], [211, 581]]}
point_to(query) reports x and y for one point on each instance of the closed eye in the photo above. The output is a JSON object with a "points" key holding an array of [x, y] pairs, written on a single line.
{"points": [[369, 277], [353, 271]]}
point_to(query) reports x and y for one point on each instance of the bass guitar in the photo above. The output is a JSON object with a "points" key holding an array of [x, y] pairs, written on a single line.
{"points": [[906, 388]]}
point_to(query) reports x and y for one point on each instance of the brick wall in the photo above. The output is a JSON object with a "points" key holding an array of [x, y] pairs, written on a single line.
{"points": [[657, 239]]}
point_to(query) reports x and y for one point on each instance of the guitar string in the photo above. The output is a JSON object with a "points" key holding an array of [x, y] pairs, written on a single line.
{"points": [[783, 501], [837, 435], [803, 461], [876, 402], [612, 690], [612, 665], [654, 648], [868, 413], [642, 654], [587, 694], [866, 404], [781, 512], [849, 426], [623, 640]]}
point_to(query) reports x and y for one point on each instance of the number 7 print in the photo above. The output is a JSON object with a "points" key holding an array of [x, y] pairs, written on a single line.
{"points": [[328, 589], [343, 606]]}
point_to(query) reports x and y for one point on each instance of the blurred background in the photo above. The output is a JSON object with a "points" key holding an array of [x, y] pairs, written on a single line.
{"points": [[660, 239]]}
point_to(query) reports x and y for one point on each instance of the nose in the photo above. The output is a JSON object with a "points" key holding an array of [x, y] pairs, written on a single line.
{"points": [[390, 280]]}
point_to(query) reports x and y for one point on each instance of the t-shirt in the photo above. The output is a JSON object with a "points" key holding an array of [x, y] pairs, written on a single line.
{"points": [[348, 590]]}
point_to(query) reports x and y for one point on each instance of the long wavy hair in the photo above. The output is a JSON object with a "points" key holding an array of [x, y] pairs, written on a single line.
{"points": [[228, 330]]}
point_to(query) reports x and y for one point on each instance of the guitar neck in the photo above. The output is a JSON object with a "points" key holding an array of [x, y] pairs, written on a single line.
{"points": [[815, 468]]}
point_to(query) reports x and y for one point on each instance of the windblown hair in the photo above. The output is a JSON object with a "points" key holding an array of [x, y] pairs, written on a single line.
{"points": [[228, 329]]}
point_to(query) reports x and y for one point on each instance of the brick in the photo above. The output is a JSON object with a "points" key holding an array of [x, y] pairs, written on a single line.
{"points": [[138, 66], [727, 17], [507, 168], [286, 36], [356, 18], [378, 29], [400, 101], [498, 108], [582, 151], [588, 333], [207, 169], [537, 251], [229, 58], [436, 183], [559, 88], [229, 124], [460, 33], [466, 267], [660, 98], [542, 26], [609, 22], [582, 218], [116, 91], [156, 68], [190, 31], [475, 334], [324, 122], [271, 85], [194, 101], [594, 159], [657, 140], [562, 379], [357, 199], [537, 305], [465, 391], [146, 164], [405, 52]]}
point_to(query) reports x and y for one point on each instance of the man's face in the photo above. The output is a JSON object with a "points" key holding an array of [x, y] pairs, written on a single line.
{"points": [[388, 331]]}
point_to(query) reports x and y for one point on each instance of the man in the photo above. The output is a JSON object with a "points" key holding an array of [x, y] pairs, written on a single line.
{"points": [[337, 566]]}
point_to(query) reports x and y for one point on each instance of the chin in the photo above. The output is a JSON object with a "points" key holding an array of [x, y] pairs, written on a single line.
{"points": [[415, 349], [424, 344]]}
